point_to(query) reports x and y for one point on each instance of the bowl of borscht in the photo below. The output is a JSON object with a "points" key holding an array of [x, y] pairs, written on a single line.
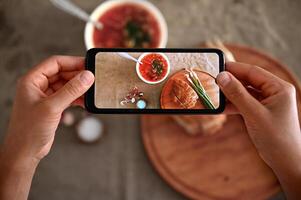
{"points": [[153, 68], [127, 24]]}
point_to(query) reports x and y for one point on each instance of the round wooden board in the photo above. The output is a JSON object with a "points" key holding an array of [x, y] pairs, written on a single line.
{"points": [[167, 99], [219, 167]]}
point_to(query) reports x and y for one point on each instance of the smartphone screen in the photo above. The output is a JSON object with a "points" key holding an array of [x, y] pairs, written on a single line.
{"points": [[156, 80]]}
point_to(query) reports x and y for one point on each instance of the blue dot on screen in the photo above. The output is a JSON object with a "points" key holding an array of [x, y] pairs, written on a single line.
{"points": [[141, 104]]}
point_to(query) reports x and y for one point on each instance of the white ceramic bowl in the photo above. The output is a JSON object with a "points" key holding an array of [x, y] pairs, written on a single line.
{"points": [[152, 82], [103, 7]]}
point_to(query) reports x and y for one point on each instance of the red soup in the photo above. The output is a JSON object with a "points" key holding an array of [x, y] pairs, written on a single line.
{"points": [[127, 25], [154, 67]]}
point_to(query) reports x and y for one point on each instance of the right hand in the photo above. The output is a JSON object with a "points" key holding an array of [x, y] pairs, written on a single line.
{"points": [[269, 109]]}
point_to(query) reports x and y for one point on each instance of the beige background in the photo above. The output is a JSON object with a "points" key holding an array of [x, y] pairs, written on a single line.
{"points": [[115, 76]]}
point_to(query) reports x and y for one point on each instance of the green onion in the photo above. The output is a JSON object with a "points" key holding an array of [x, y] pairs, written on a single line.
{"points": [[135, 35], [199, 89]]}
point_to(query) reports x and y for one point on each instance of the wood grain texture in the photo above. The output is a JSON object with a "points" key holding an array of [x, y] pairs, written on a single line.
{"points": [[219, 167], [167, 99]]}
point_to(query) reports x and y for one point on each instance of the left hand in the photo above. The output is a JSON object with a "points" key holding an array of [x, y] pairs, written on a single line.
{"points": [[42, 95]]}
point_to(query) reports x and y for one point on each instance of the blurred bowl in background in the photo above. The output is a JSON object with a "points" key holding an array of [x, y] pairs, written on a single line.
{"points": [[127, 24]]}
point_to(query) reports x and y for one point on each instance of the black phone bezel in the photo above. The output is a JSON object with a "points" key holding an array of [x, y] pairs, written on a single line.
{"points": [[90, 99]]}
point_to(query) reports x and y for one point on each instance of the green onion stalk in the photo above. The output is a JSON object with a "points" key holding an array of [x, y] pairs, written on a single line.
{"points": [[199, 89]]}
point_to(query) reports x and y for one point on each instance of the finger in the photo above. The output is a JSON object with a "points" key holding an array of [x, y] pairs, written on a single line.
{"points": [[257, 77], [255, 93], [230, 109], [79, 102], [56, 82], [55, 64], [53, 79], [69, 75], [40, 74], [237, 94], [72, 90], [49, 91], [58, 85]]}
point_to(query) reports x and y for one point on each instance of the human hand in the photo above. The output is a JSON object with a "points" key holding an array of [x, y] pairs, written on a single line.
{"points": [[269, 109], [41, 97]]}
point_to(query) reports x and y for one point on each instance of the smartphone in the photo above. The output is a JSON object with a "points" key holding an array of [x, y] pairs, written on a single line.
{"points": [[155, 81]]}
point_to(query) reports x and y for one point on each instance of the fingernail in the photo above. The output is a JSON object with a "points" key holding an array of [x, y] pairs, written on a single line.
{"points": [[223, 79], [86, 77]]}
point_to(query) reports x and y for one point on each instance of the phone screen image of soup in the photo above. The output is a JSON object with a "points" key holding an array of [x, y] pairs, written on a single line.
{"points": [[155, 80]]}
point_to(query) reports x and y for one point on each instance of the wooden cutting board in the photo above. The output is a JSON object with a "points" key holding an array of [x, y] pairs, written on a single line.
{"points": [[219, 167], [168, 101]]}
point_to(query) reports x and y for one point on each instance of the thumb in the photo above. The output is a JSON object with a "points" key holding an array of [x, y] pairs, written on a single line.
{"points": [[72, 90], [238, 95]]}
